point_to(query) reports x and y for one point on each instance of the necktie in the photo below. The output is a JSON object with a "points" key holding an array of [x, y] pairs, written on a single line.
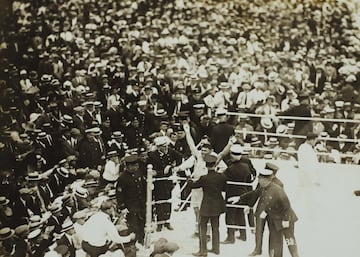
{"points": [[245, 99]]}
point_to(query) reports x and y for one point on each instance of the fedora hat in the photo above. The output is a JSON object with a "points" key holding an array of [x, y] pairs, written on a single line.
{"points": [[6, 233], [266, 123]]}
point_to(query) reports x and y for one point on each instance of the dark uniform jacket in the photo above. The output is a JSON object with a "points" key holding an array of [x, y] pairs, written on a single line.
{"points": [[213, 203], [163, 188], [274, 201], [131, 192], [237, 172]]}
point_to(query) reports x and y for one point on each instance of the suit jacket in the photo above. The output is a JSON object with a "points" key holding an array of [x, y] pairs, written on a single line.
{"points": [[237, 172], [302, 127], [89, 154], [213, 183], [163, 188], [88, 119], [79, 124], [220, 135]]}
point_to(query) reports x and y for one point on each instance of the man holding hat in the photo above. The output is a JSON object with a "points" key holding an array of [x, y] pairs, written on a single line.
{"points": [[131, 196], [274, 206], [238, 171], [212, 205], [163, 160]]}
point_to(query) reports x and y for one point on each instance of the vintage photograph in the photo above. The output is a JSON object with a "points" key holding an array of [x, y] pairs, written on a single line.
{"points": [[158, 128]]}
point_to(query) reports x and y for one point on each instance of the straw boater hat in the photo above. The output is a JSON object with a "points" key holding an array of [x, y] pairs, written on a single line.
{"points": [[6, 233]]}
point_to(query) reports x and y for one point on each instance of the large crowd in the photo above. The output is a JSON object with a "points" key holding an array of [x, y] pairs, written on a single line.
{"points": [[86, 84]]}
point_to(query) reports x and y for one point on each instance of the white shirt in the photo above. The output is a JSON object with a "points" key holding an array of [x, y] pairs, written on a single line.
{"points": [[308, 164], [111, 171], [200, 165], [98, 230]]}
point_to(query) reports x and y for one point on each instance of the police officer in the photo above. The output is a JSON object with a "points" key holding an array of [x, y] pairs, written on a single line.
{"points": [[163, 160], [274, 206], [212, 205], [131, 196], [236, 172]]}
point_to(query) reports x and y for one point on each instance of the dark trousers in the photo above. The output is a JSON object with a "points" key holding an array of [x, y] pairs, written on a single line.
{"points": [[94, 251], [163, 211], [214, 221], [235, 217], [259, 231], [136, 224], [276, 240]]}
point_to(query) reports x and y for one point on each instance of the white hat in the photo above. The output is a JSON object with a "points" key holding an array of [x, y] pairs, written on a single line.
{"points": [[34, 234], [236, 149], [224, 85], [266, 123], [281, 129], [265, 172], [160, 141]]}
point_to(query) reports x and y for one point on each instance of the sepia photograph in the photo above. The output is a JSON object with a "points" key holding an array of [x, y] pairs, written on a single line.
{"points": [[179, 128]]}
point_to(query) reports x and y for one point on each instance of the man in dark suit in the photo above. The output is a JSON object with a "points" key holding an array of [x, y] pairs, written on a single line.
{"points": [[221, 132], [163, 161], [131, 196], [78, 119], [302, 127], [212, 205], [89, 117], [89, 150], [237, 172]]}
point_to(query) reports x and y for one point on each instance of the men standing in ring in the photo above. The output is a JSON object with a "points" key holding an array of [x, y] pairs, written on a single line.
{"points": [[163, 160], [212, 205]]}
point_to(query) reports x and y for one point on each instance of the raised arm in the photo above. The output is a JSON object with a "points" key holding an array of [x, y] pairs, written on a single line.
{"points": [[189, 139]]}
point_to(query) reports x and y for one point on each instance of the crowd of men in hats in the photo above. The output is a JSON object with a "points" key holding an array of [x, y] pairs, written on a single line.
{"points": [[90, 90]]}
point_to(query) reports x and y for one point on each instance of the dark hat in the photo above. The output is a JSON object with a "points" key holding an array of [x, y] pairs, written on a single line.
{"points": [[210, 160], [6, 233], [311, 135], [271, 166], [133, 158]]}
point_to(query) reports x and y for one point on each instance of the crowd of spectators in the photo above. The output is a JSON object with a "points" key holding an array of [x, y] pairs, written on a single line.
{"points": [[80, 79]]}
